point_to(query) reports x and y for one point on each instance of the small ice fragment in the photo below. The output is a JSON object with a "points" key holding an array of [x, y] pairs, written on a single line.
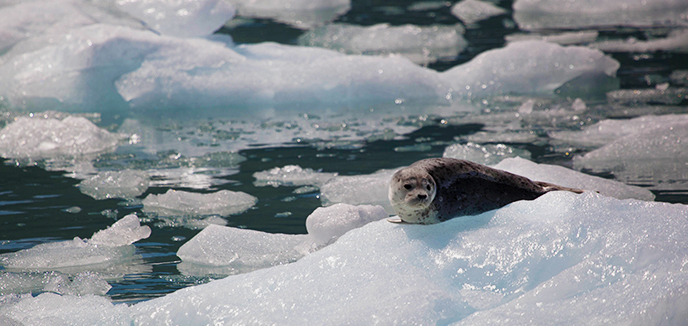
{"points": [[291, 175], [579, 105], [472, 11], [183, 203], [327, 224], [124, 232], [484, 154], [73, 209], [115, 184]]}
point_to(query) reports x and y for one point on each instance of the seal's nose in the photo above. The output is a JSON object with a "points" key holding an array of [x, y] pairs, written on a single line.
{"points": [[422, 196]]}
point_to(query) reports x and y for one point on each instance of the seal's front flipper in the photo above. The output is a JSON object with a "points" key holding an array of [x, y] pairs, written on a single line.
{"points": [[396, 220]]}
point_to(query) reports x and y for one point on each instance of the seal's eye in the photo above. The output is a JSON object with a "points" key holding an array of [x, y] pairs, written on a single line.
{"points": [[428, 187], [408, 186]]}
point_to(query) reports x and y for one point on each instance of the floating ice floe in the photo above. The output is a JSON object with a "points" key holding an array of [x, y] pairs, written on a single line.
{"points": [[656, 154], [369, 189], [565, 38], [302, 14], [37, 138], [115, 184], [539, 14], [484, 154], [531, 67], [291, 175], [80, 284], [108, 251], [661, 94], [473, 11], [188, 18], [422, 45], [675, 41], [183, 203], [226, 251], [562, 258]]}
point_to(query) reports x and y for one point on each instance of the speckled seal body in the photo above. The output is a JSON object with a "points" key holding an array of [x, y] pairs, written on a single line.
{"points": [[437, 189]]}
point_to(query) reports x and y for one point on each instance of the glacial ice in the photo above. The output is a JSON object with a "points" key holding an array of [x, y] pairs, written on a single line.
{"points": [[473, 11], [226, 251], [420, 44], [103, 252], [184, 203], [654, 156], [291, 175], [37, 138], [115, 184], [303, 14], [371, 189], [80, 284], [188, 18], [528, 67], [488, 154], [562, 258], [326, 224], [539, 14]]}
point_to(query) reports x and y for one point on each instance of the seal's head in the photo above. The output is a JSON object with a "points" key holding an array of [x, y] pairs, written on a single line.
{"points": [[411, 193]]}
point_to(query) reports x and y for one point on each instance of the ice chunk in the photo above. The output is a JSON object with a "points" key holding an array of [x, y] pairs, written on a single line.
{"points": [[108, 247], [183, 203], [81, 284], [539, 14], [55, 309], [291, 175], [36, 138], [421, 45], [227, 250], [633, 97], [327, 224], [606, 131], [304, 14], [189, 222], [115, 184], [676, 41], [369, 189], [528, 67], [473, 11], [653, 156], [188, 18], [569, 178], [565, 38], [484, 154], [679, 77], [576, 253]]}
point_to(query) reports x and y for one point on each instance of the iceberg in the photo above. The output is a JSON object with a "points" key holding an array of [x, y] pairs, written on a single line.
{"points": [[184, 203], [420, 44], [539, 14], [189, 18], [473, 11], [35, 138], [327, 224], [529, 67], [562, 258], [369, 189], [107, 251], [303, 14]]}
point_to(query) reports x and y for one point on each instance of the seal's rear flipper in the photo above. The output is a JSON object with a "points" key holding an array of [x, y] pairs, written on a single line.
{"points": [[396, 220]]}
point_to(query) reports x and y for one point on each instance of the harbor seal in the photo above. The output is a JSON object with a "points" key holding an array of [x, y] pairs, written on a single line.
{"points": [[437, 189]]}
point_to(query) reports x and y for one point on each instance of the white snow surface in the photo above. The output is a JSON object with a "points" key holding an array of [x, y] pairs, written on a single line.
{"points": [[186, 18], [37, 137], [473, 11], [542, 14], [562, 258], [184, 203], [420, 44], [111, 246]]}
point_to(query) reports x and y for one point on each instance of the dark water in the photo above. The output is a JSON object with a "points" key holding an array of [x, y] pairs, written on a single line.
{"points": [[33, 201]]}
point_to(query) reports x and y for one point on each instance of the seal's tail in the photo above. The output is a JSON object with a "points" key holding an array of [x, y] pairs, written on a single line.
{"points": [[552, 187]]}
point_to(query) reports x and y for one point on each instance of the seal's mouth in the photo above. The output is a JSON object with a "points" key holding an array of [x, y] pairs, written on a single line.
{"points": [[420, 201]]}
